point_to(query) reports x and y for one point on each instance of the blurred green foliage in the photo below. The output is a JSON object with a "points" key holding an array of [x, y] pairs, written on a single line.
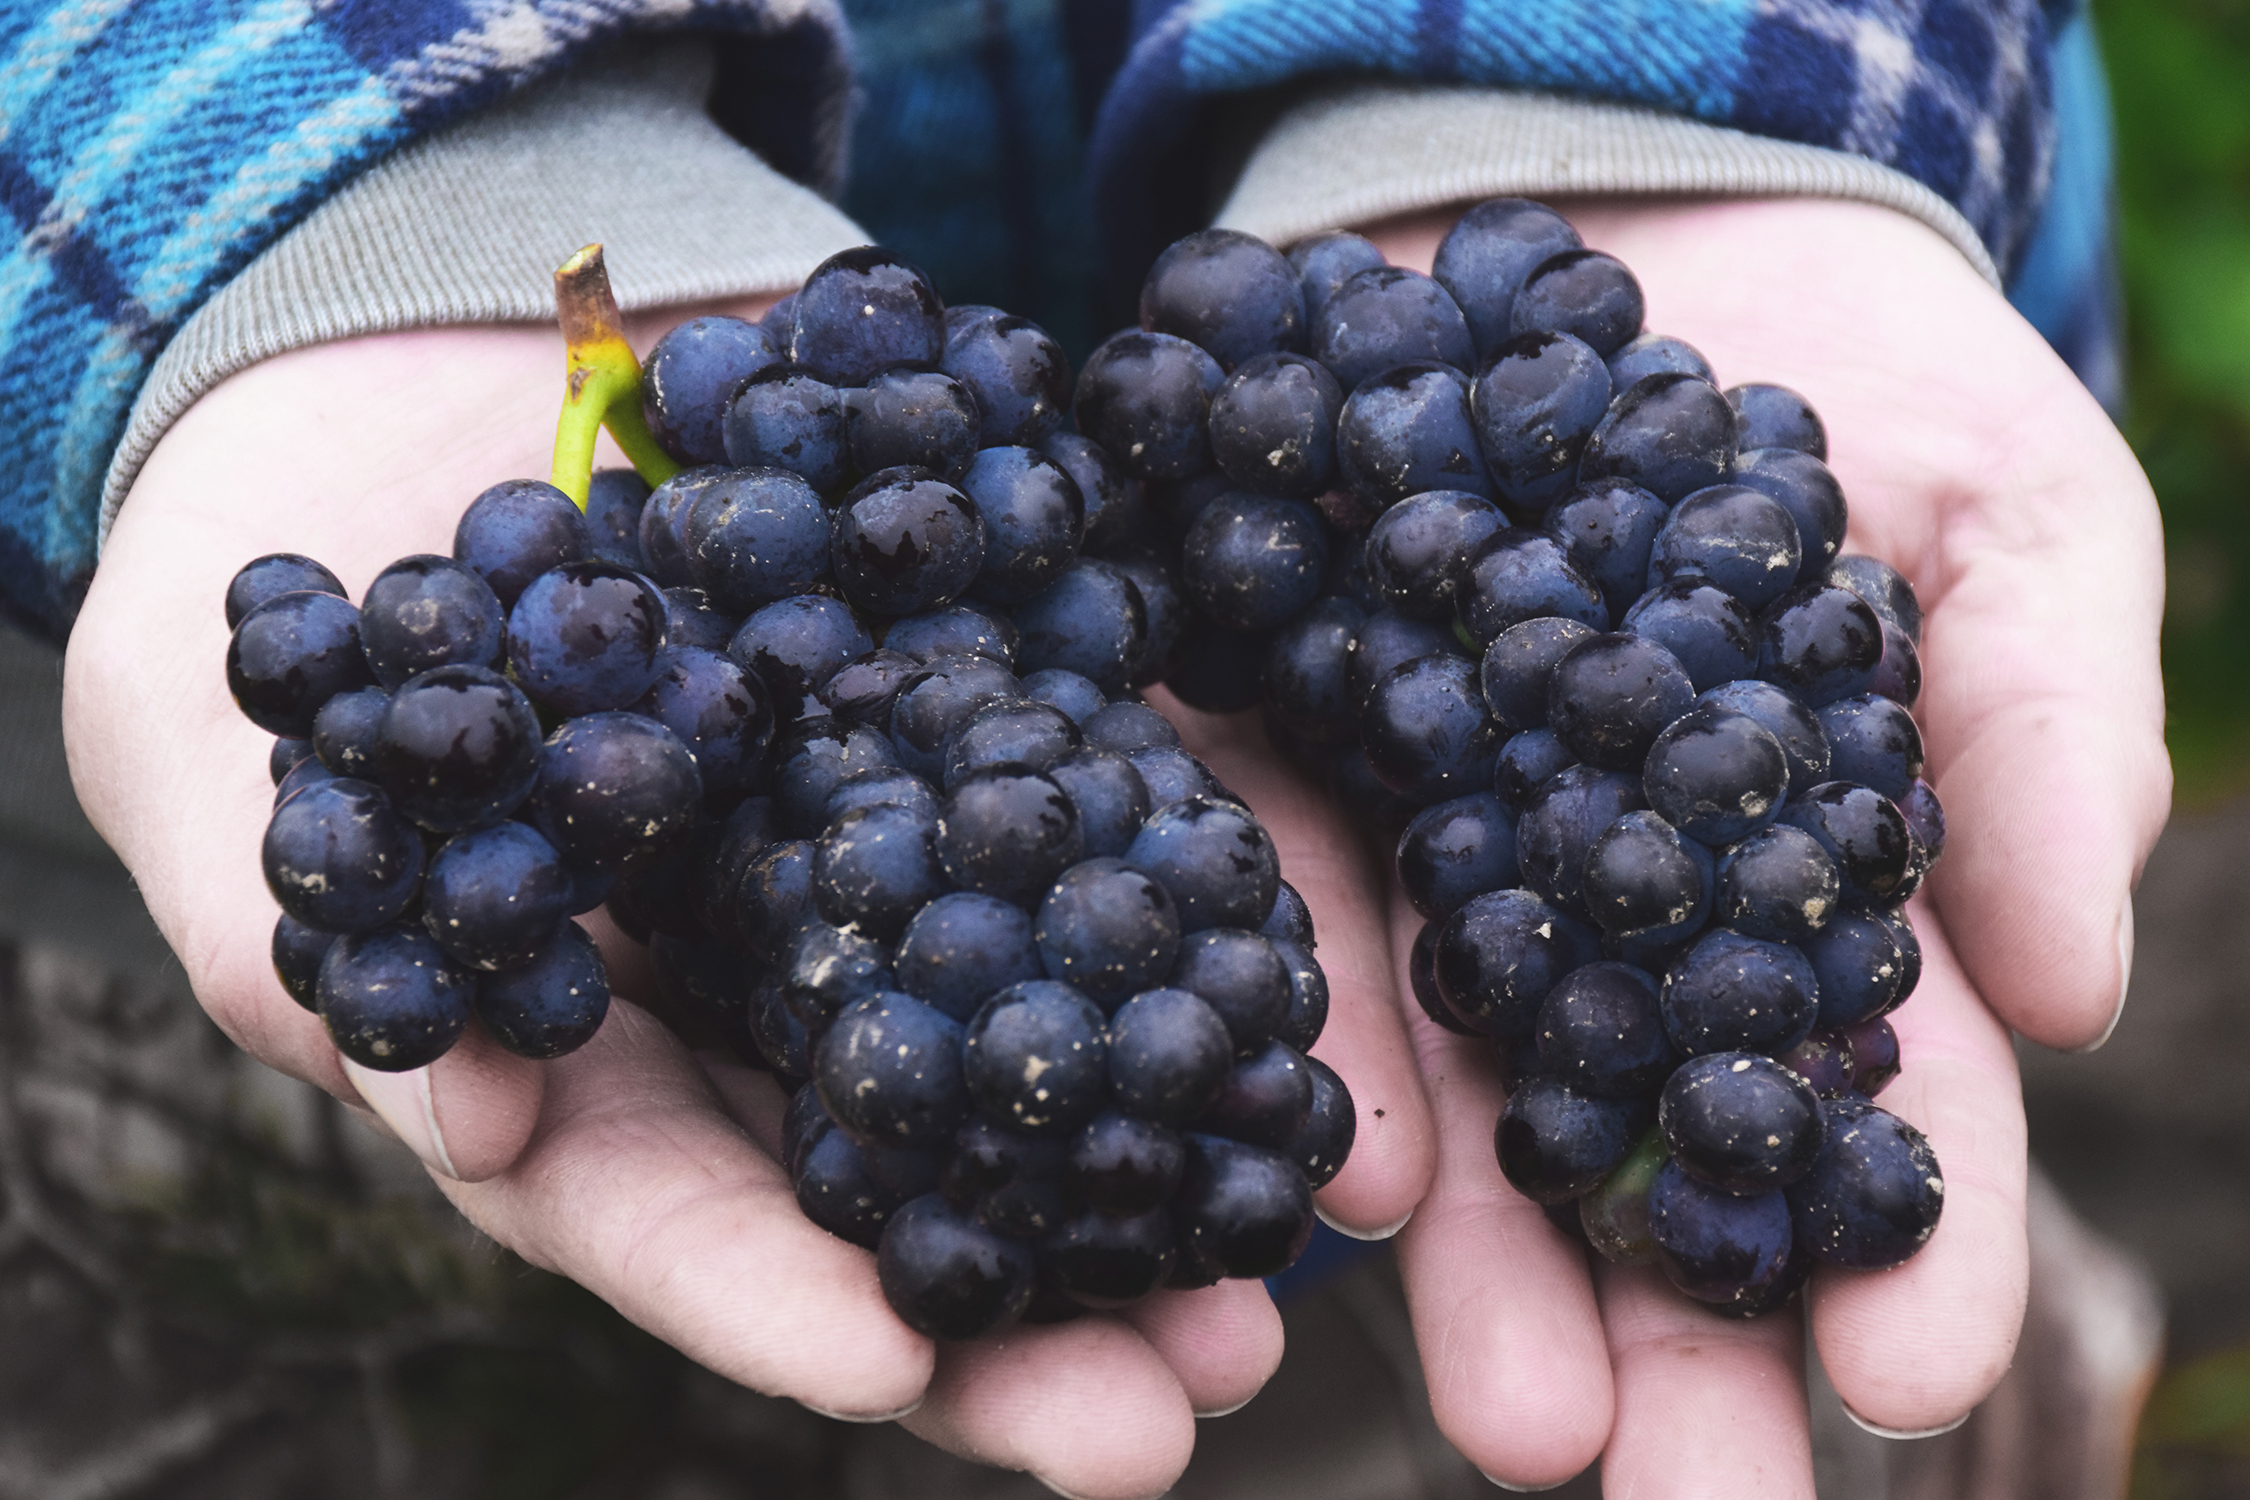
{"points": [[2180, 74]]}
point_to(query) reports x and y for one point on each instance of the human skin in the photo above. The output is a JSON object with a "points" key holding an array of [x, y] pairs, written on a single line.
{"points": [[646, 1171]]}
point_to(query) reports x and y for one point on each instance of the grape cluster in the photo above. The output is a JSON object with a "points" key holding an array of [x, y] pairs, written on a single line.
{"points": [[839, 721], [1571, 621]]}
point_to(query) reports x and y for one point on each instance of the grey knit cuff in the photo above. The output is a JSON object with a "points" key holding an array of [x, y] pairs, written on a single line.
{"points": [[469, 225], [1357, 152]]}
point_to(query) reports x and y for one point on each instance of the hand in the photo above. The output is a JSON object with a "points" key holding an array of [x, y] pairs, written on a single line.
{"points": [[641, 1170], [1976, 464]]}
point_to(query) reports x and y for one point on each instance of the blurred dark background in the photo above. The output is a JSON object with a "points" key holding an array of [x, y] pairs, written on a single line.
{"points": [[213, 1282]]}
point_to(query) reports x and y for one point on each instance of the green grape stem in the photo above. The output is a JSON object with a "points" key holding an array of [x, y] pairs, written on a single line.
{"points": [[602, 384]]}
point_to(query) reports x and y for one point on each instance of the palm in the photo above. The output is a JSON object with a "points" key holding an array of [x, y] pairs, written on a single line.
{"points": [[1976, 464]]}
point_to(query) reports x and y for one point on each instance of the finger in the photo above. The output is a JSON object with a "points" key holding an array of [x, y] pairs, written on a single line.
{"points": [[1914, 1348], [1502, 1305], [636, 1187], [1088, 1407], [1705, 1405], [1222, 1343], [1394, 1151], [468, 1115]]}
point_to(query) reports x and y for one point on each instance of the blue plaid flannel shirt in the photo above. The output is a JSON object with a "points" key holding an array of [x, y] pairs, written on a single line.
{"points": [[149, 149]]}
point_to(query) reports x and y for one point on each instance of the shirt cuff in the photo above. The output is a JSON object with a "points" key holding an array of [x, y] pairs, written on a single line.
{"points": [[468, 226], [1358, 152]]}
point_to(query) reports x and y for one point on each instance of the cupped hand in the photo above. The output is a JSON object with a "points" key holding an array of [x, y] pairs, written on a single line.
{"points": [[638, 1168], [1976, 464]]}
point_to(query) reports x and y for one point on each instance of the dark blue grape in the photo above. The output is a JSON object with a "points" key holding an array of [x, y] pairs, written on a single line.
{"points": [[1866, 835], [1802, 485], [1875, 1060], [517, 530], [613, 516], [1103, 1260], [1265, 1100], [1273, 426], [1731, 993], [1716, 774], [1536, 401], [1824, 1061], [1214, 858], [830, 970], [1169, 1051], [663, 525], [428, 611], [1250, 562], [391, 1000], [1784, 716], [1172, 775], [1740, 1123], [1526, 762], [1560, 824], [344, 732], [1862, 963], [1774, 416], [1656, 354], [616, 791], [815, 759], [690, 619], [1230, 292], [1387, 316], [1670, 434], [1108, 930], [587, 638], [1308, 994], [1609, 528], [1406, 430], [1037, 1057], [1735, 537], [719, 712], [1110, 796], [1883, 587], [1421, 972], [1164, 607], [836, 1190], [786, 419], [1456, 851], [1321, 1147], [1555, 1144], [1239, 975], [1707, 628], [1116, 511], [772, 901], [1822, 643], [1488, 254], [1898, 676], [1609, 696], [908, 418], [1067, 693], [1778, 884], [1583, 293], [1326, 261], [551, 1005], [754, 536], [288, 753], [493, 899], [1926, 816], [297, 951], [291, 655], [338, 857], [1873, 740], [1126, 726], [1017, 374], [1644, 882], [1418, 550], [938, 701], [794, 646], [1520, 575], [1388, 640], [1092, 622], [1242, 1209], [881, 787], [1717, 1247], [1019, 734], [1426, 731], [1602, 1036], [1124, 1164], [875, 867], [691, 375], [950, 1278], [890, 1072], [1146, 397], [961, 948], [1874, 1195], [1306, 676], [1007, 832], [1499, 955], [905, 541], [956, 630], [1034, 519], [862, 311], [271, 576], [1519, 665], [457, 748]]}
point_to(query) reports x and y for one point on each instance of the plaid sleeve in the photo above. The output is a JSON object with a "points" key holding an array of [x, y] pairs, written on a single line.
{"points": [[1956, 94], [149, 149]]}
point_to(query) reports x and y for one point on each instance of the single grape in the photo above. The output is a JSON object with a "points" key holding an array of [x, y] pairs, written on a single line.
{"points": [[552, 1005], [1146, 397], [1555, 1144], [1703, 625], [1645, 882], [1387, 316], [428, 611], [1230, 292], [391, 1000], [1656, 354], [1738, 538], [494, 898], [1110, 794], [1730, 993], [1426, 730], [1716, 774], [754, 536], [1601, 1033], [1499, 955], [1017, 374], [1273, 426], [1609, 528], [297, 951], [1804, 487], [784, 418], [690, 376], [338, 857], [1778, 884], [1242, 1209], [616, 791], [1456, 851], [290, 655], [890, 1072], [1670, 434], [1406, 430], [1719, 1248], [1536, 401], [862, 311], [794, 646], [1326, 260], [271, 576], [587, 638], [1583, 293], [1520, 575], [1874, 1195], [949, 1278], [517, 530], [1611, 695], [1783, 715], [1091, 621]]}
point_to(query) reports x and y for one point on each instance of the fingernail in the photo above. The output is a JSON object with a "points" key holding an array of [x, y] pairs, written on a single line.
{"points": [[1900, 1434], [1526, 1489], [405, 1103], [864, 1418], [1225, 1411], [1350, 1233], [2124, 978]]}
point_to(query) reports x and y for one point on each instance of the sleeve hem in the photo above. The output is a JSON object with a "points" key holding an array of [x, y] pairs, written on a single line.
{"points": [[1356, 153], [468, 226]]}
